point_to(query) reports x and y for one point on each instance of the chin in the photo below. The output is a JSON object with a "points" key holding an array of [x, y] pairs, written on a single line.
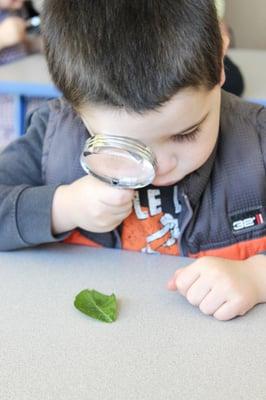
{"points": [[165, 183]]}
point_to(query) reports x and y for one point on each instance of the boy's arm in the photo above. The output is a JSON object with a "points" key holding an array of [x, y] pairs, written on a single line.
{"points": [[25, 203]]}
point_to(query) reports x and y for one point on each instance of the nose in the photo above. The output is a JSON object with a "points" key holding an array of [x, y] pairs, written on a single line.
{"points": [[166, 163]]}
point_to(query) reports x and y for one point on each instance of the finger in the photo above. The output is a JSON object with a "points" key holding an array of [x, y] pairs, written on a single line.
{"points": [[198, 291], [120, 217], [110, 220], [116, 206], [122, 213], [212, 301], [225, 312], [117, 201], [107, 194], [186, 278], [171, 284], [229, 310]]}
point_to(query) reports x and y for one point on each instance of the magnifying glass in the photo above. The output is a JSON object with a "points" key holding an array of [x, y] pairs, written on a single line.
{"points": [[119, 161]]}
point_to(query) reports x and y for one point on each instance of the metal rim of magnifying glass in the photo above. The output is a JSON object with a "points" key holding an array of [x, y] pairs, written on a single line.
{"points": [[133, 146], [119, 183], [136, 149]]}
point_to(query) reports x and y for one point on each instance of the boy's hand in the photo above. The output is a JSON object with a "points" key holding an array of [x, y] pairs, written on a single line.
{"points": [[222, 288], [12, 32], [91, 205]]}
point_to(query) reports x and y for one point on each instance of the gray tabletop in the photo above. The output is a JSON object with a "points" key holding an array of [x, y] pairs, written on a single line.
{"points": [[160, 347]]}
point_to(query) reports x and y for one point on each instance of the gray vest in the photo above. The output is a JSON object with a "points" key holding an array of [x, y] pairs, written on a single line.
{"points": [[223, 202]]}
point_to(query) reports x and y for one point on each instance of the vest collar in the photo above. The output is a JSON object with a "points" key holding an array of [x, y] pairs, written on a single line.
{"points": [[194, 184]]}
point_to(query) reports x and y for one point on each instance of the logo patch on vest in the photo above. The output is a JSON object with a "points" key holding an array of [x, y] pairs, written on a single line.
{"points": [[247, 220]]}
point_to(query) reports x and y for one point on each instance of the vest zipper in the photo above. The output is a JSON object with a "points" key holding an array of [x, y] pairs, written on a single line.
{"points": [[182, 247], [117, 238]]}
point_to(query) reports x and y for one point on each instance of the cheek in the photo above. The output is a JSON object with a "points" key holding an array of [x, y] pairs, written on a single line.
{"points": [[200, 151], [192, 155], [167, 161]]}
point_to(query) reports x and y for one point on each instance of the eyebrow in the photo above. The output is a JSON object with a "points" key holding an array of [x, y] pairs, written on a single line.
{"points": [[193, 126]]}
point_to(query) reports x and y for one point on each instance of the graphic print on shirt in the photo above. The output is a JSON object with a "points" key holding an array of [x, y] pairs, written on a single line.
{"points": [[153, 227]]}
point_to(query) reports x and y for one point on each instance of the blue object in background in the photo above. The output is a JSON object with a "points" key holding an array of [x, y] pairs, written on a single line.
{"points": [[21, 91]]}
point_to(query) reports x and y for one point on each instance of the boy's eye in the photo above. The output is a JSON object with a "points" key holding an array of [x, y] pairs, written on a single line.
{"points": [[186, 137]]}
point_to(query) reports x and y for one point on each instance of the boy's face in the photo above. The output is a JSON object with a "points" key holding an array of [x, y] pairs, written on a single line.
{"points": [[182, 133], [11, 4]]}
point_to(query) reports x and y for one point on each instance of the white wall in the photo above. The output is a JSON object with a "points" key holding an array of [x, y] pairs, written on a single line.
{"points": [[247, 18]]}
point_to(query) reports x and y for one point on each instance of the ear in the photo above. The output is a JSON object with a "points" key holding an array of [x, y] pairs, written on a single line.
{"points": [[223, 77], [226, 43]]}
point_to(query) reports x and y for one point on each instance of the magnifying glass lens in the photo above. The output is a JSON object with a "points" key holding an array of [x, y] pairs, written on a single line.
{"points": [[122, 167]]}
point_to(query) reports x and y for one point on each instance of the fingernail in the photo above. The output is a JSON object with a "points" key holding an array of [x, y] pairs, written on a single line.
{"points": [[171, 285]]}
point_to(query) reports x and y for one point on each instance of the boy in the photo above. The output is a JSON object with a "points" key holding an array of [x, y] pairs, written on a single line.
{"points": [[152, 71]]}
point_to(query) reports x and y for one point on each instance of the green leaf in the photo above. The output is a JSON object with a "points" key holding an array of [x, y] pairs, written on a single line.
{"points": [[97, 305]]}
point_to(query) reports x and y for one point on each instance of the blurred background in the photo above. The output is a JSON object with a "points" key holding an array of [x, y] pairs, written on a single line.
{"points": [[247, 20]]}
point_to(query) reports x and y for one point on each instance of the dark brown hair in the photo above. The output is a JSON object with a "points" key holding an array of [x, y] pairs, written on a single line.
{"points": [[131, 53]]}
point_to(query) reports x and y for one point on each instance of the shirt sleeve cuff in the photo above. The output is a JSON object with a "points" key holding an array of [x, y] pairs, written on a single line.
{"points": [[33, 215]]}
